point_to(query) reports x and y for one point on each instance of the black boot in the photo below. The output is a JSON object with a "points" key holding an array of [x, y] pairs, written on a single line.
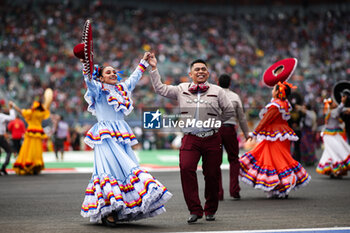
{"points": [[4, 171]]}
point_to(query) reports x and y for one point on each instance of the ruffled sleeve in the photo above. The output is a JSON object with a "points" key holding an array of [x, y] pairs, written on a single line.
{"points": [[120, 97], [284, 107], [271, 114], [273, 125], [26, 113], [93, 90], [337, 111], [131, 82]]}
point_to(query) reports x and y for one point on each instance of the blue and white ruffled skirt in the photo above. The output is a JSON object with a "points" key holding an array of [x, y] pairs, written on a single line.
{"points": [[118, 184]]}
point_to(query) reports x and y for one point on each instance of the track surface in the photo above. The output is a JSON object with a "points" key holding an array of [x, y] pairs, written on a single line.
{"points": [[51, 203]]}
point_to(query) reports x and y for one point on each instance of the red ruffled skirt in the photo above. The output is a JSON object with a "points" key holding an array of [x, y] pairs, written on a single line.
{"points": [[270, 167]]}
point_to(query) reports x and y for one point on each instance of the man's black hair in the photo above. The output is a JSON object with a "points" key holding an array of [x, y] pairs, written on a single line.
{"points": [[224, 81], [198, 61]]}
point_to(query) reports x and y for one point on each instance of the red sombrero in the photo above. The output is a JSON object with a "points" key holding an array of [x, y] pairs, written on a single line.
{"points": [[84, 50], [286, 68]]}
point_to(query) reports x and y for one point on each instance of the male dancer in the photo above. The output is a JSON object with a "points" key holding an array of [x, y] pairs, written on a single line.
{"points": [[201, 101]]}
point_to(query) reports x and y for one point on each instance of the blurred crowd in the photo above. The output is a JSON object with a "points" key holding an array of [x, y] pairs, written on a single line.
{"points": [[37, 39]]}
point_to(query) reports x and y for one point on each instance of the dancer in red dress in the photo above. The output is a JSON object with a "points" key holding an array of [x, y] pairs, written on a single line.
{"points": [[270, 166]]}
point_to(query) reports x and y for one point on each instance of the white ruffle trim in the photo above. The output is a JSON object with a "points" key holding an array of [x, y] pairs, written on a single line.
{"points": [[91, 103], [270, 190], [285, 114], [92, 143], [152, 201], [111, 94], [117, 130], [278, 136]]}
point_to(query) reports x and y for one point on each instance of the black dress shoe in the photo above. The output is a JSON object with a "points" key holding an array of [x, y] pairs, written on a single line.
{"points": [[193, 218], [4, 171], [210, 217], [236, 197], [108, 223]]}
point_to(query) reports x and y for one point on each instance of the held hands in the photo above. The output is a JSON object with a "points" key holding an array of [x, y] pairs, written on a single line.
{"points": [[152, 61], [11, 104], [146, 56], [249, 138]]}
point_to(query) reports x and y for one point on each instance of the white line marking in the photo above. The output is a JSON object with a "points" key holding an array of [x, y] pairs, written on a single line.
{"points": [[168, 158], [313, 230]]}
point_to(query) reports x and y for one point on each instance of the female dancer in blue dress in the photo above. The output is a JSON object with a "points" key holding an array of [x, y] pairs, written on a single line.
{"points": [[119, 190]]}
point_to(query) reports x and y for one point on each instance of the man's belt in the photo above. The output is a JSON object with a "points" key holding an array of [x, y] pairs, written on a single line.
{"points": [[205, 134], [228, 125]]}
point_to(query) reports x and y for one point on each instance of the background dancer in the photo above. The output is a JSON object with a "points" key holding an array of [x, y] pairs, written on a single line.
{"points": [[335, 159], [229, 137], [30, 158], [270, 166]]}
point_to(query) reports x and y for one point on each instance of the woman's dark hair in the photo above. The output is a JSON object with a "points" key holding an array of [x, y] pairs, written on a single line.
{"points": [[288, 91], [40, 107], [100, 70]]}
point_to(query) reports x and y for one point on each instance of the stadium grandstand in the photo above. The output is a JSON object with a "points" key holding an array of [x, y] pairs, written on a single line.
{"points": [[241, 38]]}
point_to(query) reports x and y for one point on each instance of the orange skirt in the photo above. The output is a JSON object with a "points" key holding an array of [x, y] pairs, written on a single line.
{"points": [[270, 167]]}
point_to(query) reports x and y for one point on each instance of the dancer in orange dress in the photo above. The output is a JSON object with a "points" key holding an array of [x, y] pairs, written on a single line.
{"points": [[270, 166]]}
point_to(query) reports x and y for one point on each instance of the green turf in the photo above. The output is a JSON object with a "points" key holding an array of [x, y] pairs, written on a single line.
{"points": [[153, 157], [67, 165]]}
